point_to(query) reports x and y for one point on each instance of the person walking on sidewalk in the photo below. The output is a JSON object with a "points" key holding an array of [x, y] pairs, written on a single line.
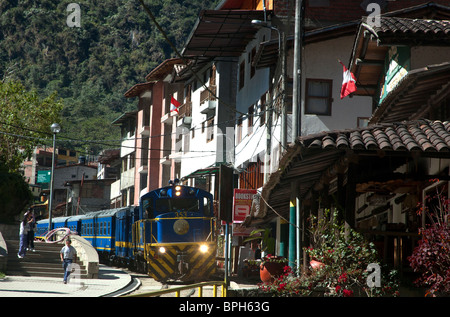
{"points": [[68, 256], [23, 234]]}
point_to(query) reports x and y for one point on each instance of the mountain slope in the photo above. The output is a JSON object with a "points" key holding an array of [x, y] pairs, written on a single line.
{"points": [[92, 66]]}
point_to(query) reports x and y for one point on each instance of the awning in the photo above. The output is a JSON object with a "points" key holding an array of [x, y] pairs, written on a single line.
{"points": [[314, 160], [372, 44], [203, 172], [222, 33], [125, 116], [137, 89], [413, 96]]}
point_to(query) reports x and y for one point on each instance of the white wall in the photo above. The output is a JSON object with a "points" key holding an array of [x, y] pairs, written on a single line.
{"points": [[320, 61], [254, 143]]}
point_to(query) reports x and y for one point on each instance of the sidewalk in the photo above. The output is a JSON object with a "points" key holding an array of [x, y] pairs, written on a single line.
{"points": [[109, 282]]}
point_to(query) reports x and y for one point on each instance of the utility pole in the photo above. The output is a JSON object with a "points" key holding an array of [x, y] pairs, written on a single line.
{"points": [[297, 76], [294, 206]]}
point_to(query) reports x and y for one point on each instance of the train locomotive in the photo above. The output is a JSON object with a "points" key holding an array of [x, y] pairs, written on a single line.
{"points": [[169, 236]]}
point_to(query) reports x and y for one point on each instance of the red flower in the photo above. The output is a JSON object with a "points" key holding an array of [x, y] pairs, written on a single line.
{"points": [[281, 287], [347, 293], [337, 289], [342, 278], [287, 269]]}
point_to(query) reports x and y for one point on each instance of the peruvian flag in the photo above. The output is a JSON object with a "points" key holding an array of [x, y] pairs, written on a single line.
{"points": [[348, 82], [174, 104]]}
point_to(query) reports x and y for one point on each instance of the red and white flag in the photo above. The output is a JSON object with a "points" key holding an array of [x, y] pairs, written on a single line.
{"points": [[348, 82], [174, 104]]}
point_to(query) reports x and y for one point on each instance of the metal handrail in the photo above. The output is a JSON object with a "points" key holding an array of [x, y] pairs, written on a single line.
{"points": [[177, 290]]}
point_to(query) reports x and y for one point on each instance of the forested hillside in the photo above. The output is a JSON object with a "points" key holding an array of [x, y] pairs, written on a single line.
{"points": [[90, 67]]}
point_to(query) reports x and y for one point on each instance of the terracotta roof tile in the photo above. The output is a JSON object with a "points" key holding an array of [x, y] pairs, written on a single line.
{"points": [[403, 30], [422, 135]]}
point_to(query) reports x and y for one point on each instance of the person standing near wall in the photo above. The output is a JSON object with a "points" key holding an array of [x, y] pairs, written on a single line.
{"points": [[23, 235], [32, 226]]}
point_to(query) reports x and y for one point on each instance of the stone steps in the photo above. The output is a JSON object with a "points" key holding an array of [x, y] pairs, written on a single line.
{"points": [[44, 262]]}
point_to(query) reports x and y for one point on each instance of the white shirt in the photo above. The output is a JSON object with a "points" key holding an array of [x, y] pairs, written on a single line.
{"points": [[24, 228], [68, 252]]}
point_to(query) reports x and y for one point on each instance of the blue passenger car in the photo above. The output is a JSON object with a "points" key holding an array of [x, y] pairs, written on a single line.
{"points": [[99, 229], [125, 218]]}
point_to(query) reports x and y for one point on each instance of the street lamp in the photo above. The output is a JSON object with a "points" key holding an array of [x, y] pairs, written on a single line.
{"points": [[266, 25], [55, 128], [282, 57]]}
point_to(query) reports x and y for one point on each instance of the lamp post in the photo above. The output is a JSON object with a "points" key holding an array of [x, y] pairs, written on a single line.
{"points": [[266, 25], [55, 128]]}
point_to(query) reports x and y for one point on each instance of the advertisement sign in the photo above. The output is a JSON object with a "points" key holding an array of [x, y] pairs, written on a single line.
{"points": [[242, 203]]}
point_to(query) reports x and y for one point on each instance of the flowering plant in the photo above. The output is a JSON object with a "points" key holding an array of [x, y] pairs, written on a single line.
{"points": [[431, 258], [344, 255]]}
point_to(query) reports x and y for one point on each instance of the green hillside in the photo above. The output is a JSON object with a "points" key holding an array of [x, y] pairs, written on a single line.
{"points": [[90, 67]]}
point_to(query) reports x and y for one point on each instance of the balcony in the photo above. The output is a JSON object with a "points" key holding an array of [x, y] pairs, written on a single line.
{"points": [[143, 169], [185, 110], [208, 101], [144, 130], [185, 114]]}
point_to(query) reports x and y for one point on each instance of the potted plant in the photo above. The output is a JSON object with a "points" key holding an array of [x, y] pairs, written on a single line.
{"points": [[270, 266]]}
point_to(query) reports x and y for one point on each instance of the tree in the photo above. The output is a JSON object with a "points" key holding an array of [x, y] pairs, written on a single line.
{"points": [[25, 119], [14, 195]]}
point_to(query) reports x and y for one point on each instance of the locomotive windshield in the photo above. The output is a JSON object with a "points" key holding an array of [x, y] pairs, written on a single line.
{"points": [[177, 204]]}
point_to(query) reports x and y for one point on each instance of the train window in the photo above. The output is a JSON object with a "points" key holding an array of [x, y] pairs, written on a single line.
{"points": [[177, 204], [206, 206], [147, 204]]}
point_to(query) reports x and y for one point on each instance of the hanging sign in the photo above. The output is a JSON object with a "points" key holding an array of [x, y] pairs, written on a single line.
{"points": [[242, 203]]}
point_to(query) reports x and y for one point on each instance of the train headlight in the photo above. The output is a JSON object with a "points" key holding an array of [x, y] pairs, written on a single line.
{"points": [[162, 250], [203, 248], [177, 193], [177, 188]]}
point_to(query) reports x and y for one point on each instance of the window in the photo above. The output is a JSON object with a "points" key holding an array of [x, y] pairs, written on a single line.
{"points": [[262, 114], [251, 60], [251, 112], [318, 96], [241, 75], [210, 130], [239, 131]]}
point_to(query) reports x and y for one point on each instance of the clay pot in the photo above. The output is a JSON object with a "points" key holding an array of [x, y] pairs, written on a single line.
{"points": [[316, 264], [268, 271]]}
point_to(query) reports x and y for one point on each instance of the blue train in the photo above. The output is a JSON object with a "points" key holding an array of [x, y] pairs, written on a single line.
{"points": [[169, 236]]}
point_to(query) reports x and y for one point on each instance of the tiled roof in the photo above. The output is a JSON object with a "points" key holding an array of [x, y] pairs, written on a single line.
{"points": [[314, 159], [422, 135], [403, 25], [394, 30]]}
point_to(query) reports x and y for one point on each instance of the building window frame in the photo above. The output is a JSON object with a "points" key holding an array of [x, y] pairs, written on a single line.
{"points": [[327, 97]]}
